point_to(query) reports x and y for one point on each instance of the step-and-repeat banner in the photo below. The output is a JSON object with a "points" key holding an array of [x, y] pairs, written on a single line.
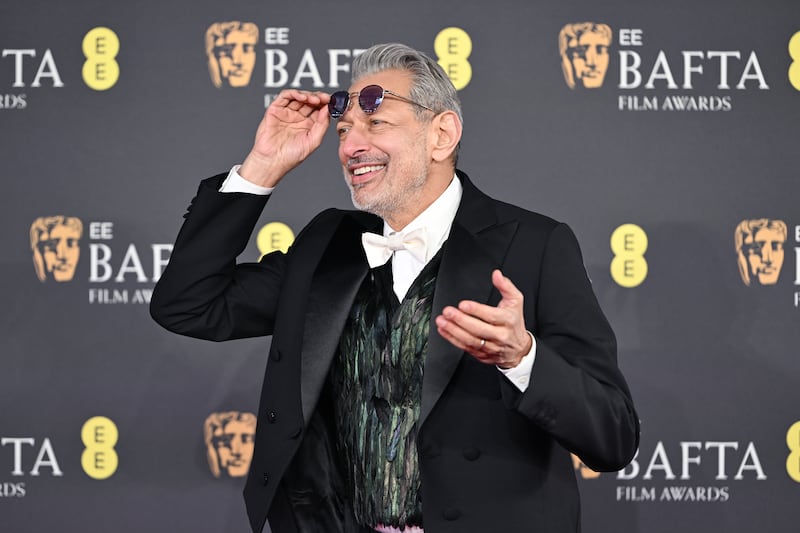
{"points": [[665, 133]]}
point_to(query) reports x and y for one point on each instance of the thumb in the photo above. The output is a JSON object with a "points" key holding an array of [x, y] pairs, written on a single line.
{"points": [[508, 291]]}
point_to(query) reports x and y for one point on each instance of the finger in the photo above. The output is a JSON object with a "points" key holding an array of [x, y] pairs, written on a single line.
{"points": [[314, 99], [306, 105], [482, 352], [459, 338], [312, 106], [295, 105], [290, 98], [505, 287], [466, 329], [321, 120], [485, 313], [324, 98], [285, 97]]}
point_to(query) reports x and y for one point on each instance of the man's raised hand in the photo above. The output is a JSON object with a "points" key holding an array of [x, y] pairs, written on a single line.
{"points": [[293, 127]]}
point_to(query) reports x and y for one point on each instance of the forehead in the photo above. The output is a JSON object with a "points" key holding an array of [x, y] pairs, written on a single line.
{"points": [[768, 234], [397, 81], [239, 36], [237, 426], [592, 37], [61, 231]]}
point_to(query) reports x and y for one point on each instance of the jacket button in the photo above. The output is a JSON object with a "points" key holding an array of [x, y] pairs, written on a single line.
{"points": [[271, 416], [471, 454], [451, 513], [276, 355], [266, 478]]}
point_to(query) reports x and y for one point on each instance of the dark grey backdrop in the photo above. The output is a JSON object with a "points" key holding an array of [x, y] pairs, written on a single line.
{"points": [[709, 360]]}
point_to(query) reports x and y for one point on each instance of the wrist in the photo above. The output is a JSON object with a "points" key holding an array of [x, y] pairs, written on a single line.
{"points": [[526, 350], [511, 364], [261, 171]]}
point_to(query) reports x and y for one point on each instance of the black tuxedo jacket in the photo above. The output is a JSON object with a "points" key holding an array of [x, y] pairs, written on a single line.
{"points": [[491, 458]]}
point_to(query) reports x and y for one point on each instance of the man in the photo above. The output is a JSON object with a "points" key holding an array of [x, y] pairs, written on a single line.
{"points": [[231, 51], [584, 53], [759, 247], [428, 392], [229, 442], [55, 246]]}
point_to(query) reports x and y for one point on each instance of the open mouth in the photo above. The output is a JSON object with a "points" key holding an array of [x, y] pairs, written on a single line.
{"points": [[365, 173], [364, 170]]}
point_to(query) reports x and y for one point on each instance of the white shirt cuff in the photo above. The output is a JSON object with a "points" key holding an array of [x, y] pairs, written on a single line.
{"points": [[236, 183], [520, 375]]}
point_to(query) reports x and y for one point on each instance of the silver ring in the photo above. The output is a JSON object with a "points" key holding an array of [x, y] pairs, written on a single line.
{"points": [[483, 342]]}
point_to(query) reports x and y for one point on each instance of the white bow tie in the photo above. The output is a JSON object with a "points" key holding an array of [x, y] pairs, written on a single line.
{"points": [[379, 248]]}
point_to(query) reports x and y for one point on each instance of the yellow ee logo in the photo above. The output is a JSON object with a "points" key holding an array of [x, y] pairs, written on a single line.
{"points": [[273, 237], [794, 53], [99, 459], [629, 267], [100, 47], [793, 461], [453, 46]]}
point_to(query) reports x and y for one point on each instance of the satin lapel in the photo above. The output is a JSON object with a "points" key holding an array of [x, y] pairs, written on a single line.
{"points": [[333, 288], [477, 245]]}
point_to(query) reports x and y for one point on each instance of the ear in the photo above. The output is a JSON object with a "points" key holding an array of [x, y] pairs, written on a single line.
{"points": [[446, 134]]}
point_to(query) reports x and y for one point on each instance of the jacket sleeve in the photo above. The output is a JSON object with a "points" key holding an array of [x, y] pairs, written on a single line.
{"points": [[202, 292], [577, 393]]}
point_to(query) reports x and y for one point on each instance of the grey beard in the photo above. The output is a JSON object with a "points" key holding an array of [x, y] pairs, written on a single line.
{"points": [[385, 206]]}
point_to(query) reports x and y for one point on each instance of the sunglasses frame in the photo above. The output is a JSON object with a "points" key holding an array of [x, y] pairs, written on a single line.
{"points": [[367, 107]]}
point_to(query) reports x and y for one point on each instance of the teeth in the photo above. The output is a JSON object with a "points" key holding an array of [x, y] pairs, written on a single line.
{"points": [[364, 170]]}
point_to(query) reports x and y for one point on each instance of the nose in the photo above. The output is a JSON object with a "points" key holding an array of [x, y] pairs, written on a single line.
{"points": [[591, 56], [236, 446], [237, 54], [354, 142], [766, 253], [61, 249]]}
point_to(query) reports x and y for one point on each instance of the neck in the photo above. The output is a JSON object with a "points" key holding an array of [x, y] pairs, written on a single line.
{"points": [[434, 187]]}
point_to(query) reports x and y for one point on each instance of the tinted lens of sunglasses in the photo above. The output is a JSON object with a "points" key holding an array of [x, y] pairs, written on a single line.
{"points": [[370, 97], [338, 104]]}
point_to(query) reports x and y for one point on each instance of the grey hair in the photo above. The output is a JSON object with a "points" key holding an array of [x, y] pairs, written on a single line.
{"points": [[430, 85]]}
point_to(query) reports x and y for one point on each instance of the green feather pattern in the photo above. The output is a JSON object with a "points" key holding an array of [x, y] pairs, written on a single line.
{"points": [[377, 384]]}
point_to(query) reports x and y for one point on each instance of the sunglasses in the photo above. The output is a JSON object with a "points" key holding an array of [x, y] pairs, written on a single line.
{"points": [[369, 99]]}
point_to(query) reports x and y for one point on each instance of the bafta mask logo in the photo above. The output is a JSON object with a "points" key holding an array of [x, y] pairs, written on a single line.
{"points": [[584, 54], [55, 246], [759, 246], [229, 439], [231, 51]]}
